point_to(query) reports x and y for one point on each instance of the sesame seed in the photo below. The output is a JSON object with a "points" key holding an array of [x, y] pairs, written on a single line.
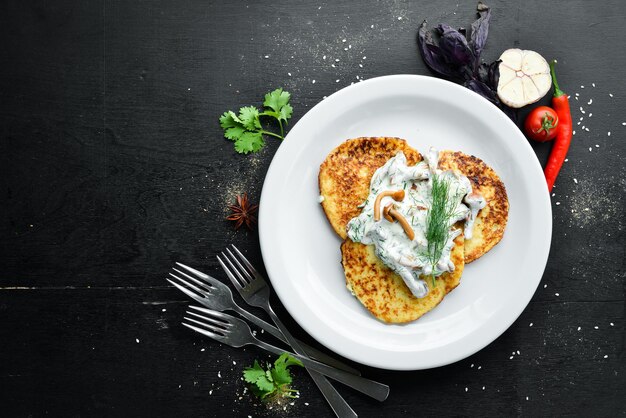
{"points": [[558, 203], [574, 132], [324, 57], [575, 181], [511, 358], [545, 285], [234, 363], [332, 65], [349, 46], [597, 146], [582, 87], [313, 82], [527, 398], [364, 57], [606, 356], [472, 365], [163, 310], [466, 389], [343, 40], [591, 114], [608, 133], [289, 74], [612, 324], [596, 327], [372, 26], [337, 81], [483, 388], [579, 328], [556, 294], [361, 65], [202, 349], [518, 353], [336, 59], [593, 84], [480, 367], [587, 129], [531, 324], [137, 340], [306, 404], [611, 94], [267, 56], [345, 49]]}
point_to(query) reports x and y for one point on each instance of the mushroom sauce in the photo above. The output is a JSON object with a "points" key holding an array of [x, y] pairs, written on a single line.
{"points": [[410, 258]]}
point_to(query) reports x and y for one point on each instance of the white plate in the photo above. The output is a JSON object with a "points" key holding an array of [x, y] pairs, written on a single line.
{"points": [[301, 251]]}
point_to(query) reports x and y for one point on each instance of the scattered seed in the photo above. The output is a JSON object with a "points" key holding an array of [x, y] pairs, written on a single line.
{"points": [[531, 324], [611, 94], [343, 40], [575, 181], [289, 74], [556, 294], [593, 84], [337, 81], [267, 56], [596, 327], [324, 57], [608, 133], [611, 324], [313, 82], [597, 146], [336, 59]]}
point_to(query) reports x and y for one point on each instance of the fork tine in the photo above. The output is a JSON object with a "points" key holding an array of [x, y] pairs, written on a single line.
{"points": [[194, 271], [241, 269], [188, 292], [245, 261], [244, 280], [202, 276], [225, 318], [198, 282], [230, 275], [209, 323], [210, 327], [203, 331], [202, 290]]}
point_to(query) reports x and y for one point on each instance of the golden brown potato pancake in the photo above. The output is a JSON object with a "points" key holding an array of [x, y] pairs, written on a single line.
{"points": [[491, 221], [345, 175], [384, 293]]}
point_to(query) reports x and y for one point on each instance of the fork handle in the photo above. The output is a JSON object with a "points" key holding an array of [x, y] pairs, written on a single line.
{"points": [[376, 390], [310, 351]]}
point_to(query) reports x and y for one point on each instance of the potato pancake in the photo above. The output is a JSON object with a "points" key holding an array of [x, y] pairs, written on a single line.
{"points": [[491, 221], [345, 175], [384, 293]]}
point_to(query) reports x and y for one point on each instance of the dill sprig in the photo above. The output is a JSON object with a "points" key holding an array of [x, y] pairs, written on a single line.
{"points": [[442, 209]]}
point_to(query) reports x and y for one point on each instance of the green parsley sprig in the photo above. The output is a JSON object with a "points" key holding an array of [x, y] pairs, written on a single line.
{"points": [[245, 128], [273, 382]]}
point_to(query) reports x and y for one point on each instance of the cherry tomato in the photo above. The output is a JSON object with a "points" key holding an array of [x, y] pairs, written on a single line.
{"points": [[541, 123]]}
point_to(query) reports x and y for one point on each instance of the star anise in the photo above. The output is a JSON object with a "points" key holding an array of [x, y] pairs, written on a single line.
{"points": [[243, 212]]}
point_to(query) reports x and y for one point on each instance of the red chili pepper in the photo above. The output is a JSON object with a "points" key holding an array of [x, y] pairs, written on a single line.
{"points": [[560, 103]]}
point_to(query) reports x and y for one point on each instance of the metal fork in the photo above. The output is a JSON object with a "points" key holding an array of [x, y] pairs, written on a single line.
{"points": [[214, 294], [235, 332], [255, 291]]}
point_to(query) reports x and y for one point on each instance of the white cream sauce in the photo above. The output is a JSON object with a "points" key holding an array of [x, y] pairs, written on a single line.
{"points": [[409, 258]]}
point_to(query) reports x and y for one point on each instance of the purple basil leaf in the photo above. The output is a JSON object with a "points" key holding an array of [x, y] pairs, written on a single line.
{"points": [[489, 74], [481, 88], [480, 30], [454, 46], [432, 55]]}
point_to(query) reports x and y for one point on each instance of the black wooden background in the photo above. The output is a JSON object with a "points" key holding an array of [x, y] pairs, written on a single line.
{"points": [[113, 167]]}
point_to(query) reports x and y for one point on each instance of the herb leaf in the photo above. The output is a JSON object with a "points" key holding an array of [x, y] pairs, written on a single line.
{"points": [[249, 116], [276, 99], [245, 129], [249, 142], [274, 381], [441, 211]]}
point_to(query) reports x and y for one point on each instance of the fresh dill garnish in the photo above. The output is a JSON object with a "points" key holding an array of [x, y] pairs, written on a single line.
{"points": [[442, 210]]}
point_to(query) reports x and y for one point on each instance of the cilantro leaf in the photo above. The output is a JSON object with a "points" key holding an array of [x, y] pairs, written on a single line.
{"points": [[285, 112], [229, 120], [274, 381], [252, 374], [288, 360], [245, 129], [277, 99], [249, 142], [234, 133], [249, 116]]}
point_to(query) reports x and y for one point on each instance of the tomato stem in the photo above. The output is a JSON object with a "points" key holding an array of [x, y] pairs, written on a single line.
{"points": [[547, 124]]}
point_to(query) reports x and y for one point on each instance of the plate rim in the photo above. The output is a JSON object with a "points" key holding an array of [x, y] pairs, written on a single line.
{"points": [[539, 265]]}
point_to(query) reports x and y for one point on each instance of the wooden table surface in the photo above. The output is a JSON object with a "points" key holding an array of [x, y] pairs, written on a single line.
{"points": [[113, 167]]}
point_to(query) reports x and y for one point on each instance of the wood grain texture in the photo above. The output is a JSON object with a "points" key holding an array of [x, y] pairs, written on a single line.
{"points": [[113, 166]]}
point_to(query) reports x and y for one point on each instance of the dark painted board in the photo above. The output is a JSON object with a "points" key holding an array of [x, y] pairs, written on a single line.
{"points": [[112, 167]]}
